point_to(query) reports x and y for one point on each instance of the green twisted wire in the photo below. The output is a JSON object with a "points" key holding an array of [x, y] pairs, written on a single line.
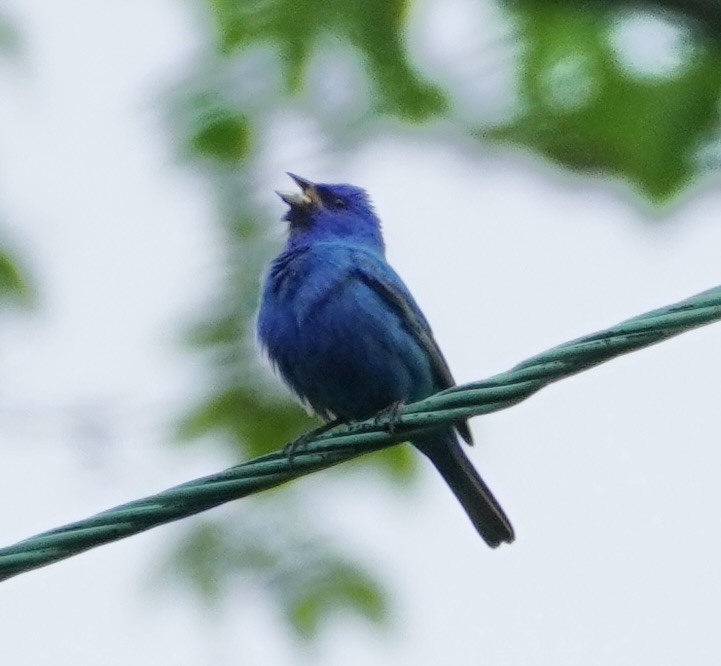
{"points": [[342, 443]]}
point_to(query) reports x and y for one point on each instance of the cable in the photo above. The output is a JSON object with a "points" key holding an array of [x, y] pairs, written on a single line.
{"points": [[320, 451]]}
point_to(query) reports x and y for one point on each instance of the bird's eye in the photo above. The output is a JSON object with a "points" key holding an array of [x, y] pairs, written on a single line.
{"points": [[338, 202]]}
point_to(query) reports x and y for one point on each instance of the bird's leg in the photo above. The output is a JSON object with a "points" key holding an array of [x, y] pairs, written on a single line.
{"points": [[391, 413], [301, 442]]}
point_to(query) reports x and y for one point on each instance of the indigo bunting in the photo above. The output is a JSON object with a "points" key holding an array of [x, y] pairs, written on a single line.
{"points": [[346, 335]]}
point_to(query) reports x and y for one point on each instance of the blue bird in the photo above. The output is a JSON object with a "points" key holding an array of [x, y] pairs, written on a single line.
{"points": [[346, 335]]}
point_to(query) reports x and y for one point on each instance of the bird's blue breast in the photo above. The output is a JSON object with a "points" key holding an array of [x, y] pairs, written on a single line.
{"points": [[335, 341]]}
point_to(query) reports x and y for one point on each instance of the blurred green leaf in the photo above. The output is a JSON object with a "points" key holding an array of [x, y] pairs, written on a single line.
{"points": [[337, 587], [199, 557], [585, 109], [398, 463], [13, 287], [220, 331], [255, 419], [374, 29], [222, 134], [259, 422], [307, 579], [579, 105]]}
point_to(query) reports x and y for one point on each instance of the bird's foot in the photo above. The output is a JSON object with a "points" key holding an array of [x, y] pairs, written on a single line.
{"points": [[391, 413], [300, 443]]}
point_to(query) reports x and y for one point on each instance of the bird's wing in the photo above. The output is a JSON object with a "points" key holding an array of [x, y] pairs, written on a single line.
{"points": [[385, 282]]}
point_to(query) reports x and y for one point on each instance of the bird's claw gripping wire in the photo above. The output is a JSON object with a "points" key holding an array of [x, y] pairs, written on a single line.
{"points": [[391, 413], [300, 443]]}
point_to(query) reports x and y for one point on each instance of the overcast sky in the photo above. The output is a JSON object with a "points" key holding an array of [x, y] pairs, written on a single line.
{"points": [[610, 478]]}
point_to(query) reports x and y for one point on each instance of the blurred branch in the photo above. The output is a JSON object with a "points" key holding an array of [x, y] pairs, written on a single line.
{"points": [[347, 442], [705, 13]]}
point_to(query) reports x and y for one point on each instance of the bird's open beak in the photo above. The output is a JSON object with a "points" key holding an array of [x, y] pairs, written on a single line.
{"points": [[308, 193]]}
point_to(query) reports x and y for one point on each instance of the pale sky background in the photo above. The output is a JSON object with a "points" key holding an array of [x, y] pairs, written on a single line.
{"points": [[610, 478]]}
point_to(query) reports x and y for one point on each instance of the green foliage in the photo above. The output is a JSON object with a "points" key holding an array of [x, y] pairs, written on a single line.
{"points": [[14, 288], [399, 464], [586, 109], [258, 419], [218, 132], [306, 577], [336, 586], [374, 29], [579, 104]]}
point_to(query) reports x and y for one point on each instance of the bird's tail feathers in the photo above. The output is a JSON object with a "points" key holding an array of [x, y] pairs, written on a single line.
{"points": [[469, 488]]}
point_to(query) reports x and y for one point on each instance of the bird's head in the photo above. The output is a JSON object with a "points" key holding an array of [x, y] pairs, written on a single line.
{"points": [[323, 212]]}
